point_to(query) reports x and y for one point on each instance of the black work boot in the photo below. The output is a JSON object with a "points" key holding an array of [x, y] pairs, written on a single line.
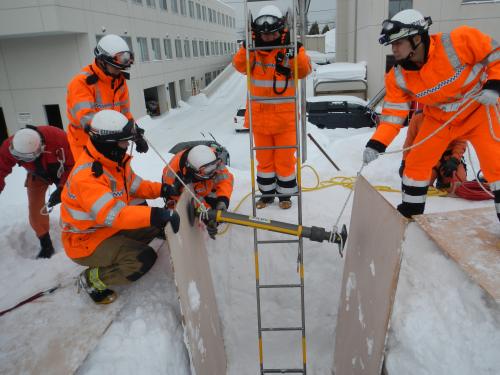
{"points": [[99, 293], [47, 249]]}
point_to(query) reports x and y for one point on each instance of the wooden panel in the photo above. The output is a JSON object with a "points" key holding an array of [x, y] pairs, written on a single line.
{"points": [[38, 339], [472, 238], [193, 279], [370, 277]]}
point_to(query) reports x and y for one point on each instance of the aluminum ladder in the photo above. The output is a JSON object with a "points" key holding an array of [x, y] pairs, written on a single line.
{"points": [[292, 26]]}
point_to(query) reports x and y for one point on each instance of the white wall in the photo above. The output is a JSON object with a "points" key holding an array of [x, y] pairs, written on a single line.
{"points": [[44, 43]]}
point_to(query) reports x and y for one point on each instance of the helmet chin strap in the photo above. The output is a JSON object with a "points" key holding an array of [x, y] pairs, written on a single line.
{"points": [[407, 59]]}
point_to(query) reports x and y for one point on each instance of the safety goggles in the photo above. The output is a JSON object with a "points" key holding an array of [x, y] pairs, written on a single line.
{"points": [[25, 157], [128, 133], [207, 171], [267, 24], [124, 59]]}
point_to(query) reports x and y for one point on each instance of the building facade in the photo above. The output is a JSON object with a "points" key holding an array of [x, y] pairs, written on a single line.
{"points": [[359, 24], [179, 46]]}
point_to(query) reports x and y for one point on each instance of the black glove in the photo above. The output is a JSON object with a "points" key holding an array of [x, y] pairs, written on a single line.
{"points": [[212, 228], [55, 197], [160, 217], [140, 144], [449, 166], [169, 191], [401, 168]]}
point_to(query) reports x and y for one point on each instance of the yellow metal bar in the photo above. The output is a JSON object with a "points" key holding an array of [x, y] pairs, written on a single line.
{"points": [[261, 226], [260, 352], [304, 355], [256, 256]]}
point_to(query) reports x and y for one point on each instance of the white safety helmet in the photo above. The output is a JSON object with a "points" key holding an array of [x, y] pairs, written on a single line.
{"points": [[404, 24], [269, 20], [202, 162], [26, 145], [114, 51], [109, 126]]}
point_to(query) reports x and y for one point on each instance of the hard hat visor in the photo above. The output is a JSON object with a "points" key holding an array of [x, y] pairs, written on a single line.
{"points": [[128, 133], [394, 30], [207, 171], [26, 157], [267, 24]]}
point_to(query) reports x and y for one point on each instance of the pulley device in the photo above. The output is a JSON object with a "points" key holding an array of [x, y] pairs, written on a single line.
{"points": [[313, 233]]}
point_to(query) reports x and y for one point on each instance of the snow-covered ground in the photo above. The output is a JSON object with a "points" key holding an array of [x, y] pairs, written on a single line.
{"points": [[442, 322]]}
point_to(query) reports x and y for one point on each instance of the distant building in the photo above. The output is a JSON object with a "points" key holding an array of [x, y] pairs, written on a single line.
{"points": [[359, 23], [179, 46]]}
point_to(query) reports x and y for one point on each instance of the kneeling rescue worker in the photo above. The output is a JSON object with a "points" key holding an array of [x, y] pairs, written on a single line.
{"points": [[100, 229], [212, 181], [445, 72]]}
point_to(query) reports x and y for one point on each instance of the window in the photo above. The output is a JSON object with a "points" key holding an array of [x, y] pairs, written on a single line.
{"points": [[216, 47], [175, 9], [167, 46], [227, 20], [207, 50], [218, 18], [151, 3], [209, 15], [183, 7], [187, 48], [139, 2], [191, 8], [220, 47], [398, 5], [198, 11], [155, 45], [195, 48], [204, 12], [163, 4], [128, 40], [208, 78], [178, 49], [143, 47], [202, 48], [212, 49]]}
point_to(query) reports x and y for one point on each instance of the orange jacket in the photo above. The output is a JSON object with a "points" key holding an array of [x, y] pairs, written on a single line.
{"points": [[270, 117], [90, 91], [456, 147], [220, 187], [457, 66], [96, 208]]}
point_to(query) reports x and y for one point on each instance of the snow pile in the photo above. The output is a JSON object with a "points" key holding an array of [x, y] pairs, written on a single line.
{"points": [[442, 322], [330, 41], [341, 71]]}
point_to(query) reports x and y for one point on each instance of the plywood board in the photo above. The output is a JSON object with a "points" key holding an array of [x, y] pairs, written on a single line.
{"points": [[472, 238], [371, 271], [37, 339], [202, 328]]}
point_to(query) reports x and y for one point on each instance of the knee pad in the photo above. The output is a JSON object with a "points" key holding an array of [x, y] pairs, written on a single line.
{"points": [[146, 258]]}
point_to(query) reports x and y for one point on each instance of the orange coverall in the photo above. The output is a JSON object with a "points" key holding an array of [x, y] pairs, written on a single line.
{"points": [[90, 91], [96, 208], [273, 122], [457, 67], [455, 149], [210, 192]]}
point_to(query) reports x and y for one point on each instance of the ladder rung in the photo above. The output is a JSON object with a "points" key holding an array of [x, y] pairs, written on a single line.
{"points": [[273, 99], [264, 242], [274, 147], [276, 195], [267, 48], [266, 286], [282, 371], [275, 329]]}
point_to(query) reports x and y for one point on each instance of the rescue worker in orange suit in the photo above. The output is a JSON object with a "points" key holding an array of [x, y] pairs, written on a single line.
{"points": [[45, 154], [212, 183], [273, 121], [100, 229], [450, 169], [100, 85], [444, 72]]}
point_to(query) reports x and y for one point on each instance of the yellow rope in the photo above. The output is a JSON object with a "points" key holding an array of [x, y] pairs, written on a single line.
{"points": [[346, 182]]}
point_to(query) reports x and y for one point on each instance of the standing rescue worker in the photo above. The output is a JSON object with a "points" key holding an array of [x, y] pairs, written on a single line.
{"points": [[100, 229], [444, 72], [273, 122], [212, 181], [100, 85], [450, 170], [45, 154]]}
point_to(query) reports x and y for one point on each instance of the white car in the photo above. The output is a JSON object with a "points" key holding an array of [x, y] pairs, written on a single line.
{"points": [[239, 121]]}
